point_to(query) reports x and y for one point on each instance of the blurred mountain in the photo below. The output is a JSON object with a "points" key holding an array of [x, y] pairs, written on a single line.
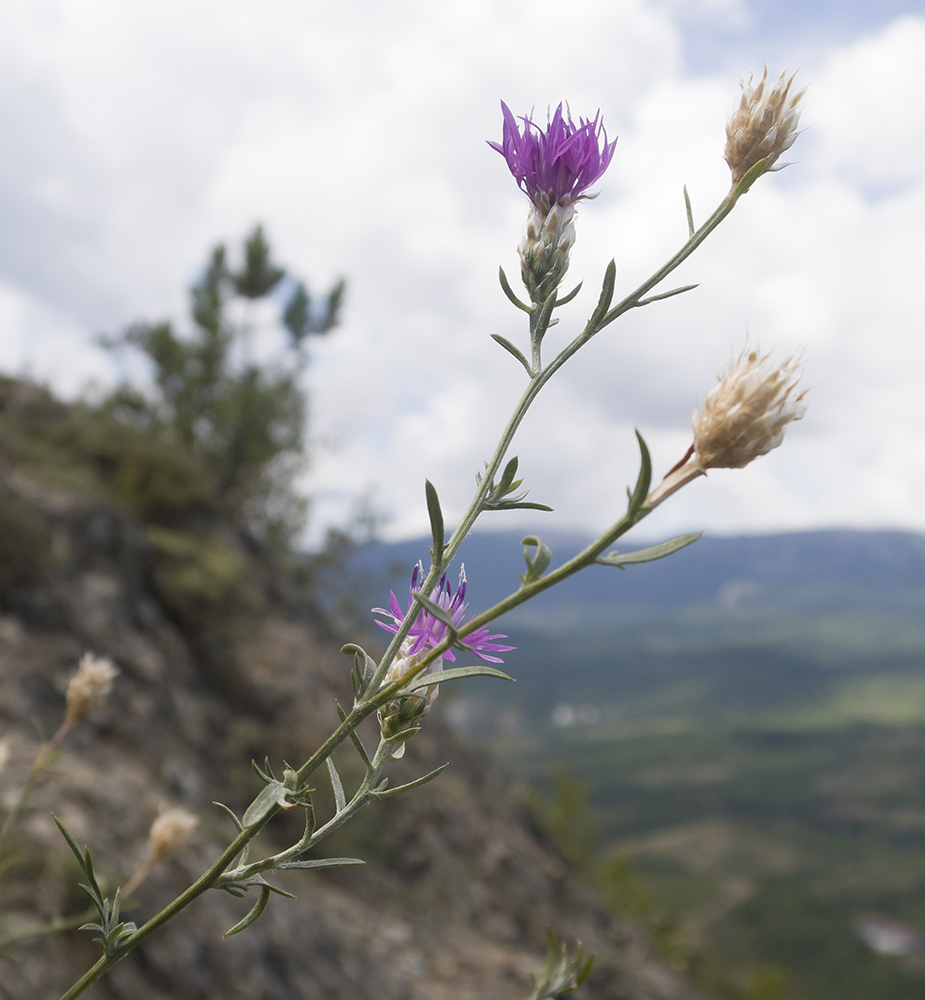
{"points": [[113, 541]]}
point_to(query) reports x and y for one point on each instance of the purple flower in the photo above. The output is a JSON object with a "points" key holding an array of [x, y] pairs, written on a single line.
{"points": [[427, 631], [558, 165]]}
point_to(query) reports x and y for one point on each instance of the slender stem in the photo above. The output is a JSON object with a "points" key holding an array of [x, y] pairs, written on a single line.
{"points": [[368, 704], [530, 393]]}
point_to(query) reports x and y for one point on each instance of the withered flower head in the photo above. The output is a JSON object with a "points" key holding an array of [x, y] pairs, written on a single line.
{"points": [[763, 126], [744, 416], [170, 832], [88, 688]]}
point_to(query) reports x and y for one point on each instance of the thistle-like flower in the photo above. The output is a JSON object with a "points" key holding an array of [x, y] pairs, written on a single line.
{"points": [[554, 167], [763, 126], [88, 688], [743, 417], [426, 634]]}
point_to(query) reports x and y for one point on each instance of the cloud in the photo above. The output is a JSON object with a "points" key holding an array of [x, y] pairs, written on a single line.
{"points": [[138, 135]]}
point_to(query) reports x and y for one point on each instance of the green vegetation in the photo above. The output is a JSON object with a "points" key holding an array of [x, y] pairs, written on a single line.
{"points": [[753, 808]]}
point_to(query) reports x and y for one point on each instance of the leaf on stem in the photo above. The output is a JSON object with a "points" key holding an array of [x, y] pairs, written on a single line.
{"points": [[321, 863], [639, 494], [436, 520], [690, 213], [230, 814], [620, 560], [340, 800], [571, 295], [603, 303], [537, 563], [383, 794], [254, 913], [364, 667], [509, 292], [455, 674], [666, 295], [511, 349], [354, 737]]}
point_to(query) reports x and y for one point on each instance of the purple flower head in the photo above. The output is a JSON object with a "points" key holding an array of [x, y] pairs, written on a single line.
{"points": [[427, 631], [559, 164]]}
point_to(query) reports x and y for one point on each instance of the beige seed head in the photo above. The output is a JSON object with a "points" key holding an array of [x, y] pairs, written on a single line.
{"points": [[170, 833], [88, 688], [746, 414], [763, 126]]}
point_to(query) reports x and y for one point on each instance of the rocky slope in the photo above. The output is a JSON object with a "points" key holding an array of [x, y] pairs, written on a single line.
{"points": [[108, 544]]}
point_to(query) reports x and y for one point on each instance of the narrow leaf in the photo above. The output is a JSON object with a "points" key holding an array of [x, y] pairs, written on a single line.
{"points": [[354, 737], [511, 349], [322, 863], [255, 912], [506, 483], [363, 663], [340, 800], [509, 292], [536, 564], [520, 505], [263, 775], [404, 735], [411, 784], [650, 554], [280, 892], [603, 303], [666, 295], [571, 295], [230, 814], [70, 840], [436, 520], [457, 673], [690, 213], [645, 477], [264, 804]]}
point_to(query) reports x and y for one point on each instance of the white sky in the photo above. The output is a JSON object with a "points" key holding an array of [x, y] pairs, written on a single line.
{"points": [[137, 135]]}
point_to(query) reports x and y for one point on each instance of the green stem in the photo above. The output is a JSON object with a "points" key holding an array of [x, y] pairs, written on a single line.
{"points": [[368, 705]]}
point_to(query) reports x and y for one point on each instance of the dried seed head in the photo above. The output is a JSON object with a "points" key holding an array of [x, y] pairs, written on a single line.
{"points": [[88, 688], [743, 417], [170, 833], [763, 126], [747, 413]]}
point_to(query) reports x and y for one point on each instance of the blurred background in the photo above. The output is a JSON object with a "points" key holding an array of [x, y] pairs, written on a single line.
{"points": [[729, 746]]}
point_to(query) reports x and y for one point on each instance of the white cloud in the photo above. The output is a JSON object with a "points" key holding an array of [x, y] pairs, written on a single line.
{"points": [[139, 134]]}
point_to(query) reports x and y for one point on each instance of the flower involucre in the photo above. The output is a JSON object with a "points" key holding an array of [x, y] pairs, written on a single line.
{"points": [[426, 634], [763, 126], [743, 417], [554, 167]]}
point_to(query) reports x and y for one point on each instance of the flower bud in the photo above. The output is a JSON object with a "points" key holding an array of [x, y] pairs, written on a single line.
{"points": [[88, 688], [763, 126]]}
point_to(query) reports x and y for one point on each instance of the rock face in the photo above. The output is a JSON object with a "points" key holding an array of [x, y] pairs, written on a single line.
{"points": [[223, 658]]}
